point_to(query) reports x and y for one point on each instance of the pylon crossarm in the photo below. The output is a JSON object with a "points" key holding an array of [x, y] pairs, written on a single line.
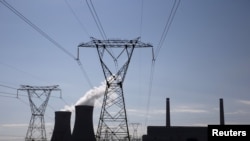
{"points": [[28, 87], [115, 43]]}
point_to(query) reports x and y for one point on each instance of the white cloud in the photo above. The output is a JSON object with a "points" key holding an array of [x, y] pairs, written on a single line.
{"points": [[238, 112], [11, 138], [15, 125], [186, 109], [246, 102], [154, 112], [139, 112]]}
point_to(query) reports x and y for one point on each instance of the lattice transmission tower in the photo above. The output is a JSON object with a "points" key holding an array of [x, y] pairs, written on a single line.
{"points": [[38, 99], [135, 133], [113, 124]]}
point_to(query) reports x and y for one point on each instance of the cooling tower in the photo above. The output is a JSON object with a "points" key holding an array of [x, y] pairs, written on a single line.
{"points": [[62, 131], [83, 128]]}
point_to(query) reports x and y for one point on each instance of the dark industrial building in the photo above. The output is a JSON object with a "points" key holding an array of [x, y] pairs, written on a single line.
{"points": [[179, 133], [175, 133]]}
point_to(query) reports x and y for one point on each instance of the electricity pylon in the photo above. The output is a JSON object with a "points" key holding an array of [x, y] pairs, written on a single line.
{"points": [[38, 99], [135, 134], [113, 118]]}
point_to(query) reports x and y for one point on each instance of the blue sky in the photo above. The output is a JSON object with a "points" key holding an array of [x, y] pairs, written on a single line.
{"points": [[205, 57]]}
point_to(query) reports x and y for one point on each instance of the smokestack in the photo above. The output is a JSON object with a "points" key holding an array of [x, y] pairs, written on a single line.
{"points": [[83, 128], [167, 113], [222, 121], [62, 131]]}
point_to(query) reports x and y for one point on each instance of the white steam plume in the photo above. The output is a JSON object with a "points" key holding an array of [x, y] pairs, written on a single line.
{"points": [[89, 98], [68, 108]]}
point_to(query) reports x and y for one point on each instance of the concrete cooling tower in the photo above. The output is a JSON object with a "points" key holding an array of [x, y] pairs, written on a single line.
{"points": [[62, 131], [83, 129]]}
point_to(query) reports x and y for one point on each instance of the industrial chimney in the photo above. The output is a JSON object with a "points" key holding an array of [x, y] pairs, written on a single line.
{"points": [[167, 113], [222, 121], [83, 128], [62, 131]]}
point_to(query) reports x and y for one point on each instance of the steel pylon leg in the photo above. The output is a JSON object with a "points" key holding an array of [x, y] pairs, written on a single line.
{"points": [[113, 124]]}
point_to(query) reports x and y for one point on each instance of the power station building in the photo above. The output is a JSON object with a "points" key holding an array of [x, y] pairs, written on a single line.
{"points": [[175, 133], [179, 133]]}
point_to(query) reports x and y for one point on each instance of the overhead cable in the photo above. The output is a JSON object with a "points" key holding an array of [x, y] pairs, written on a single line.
{"points": [[40, 31], [100, 28], [167, 26], [6, 94], [22, 71], [142, 7], [8, 87], [84, 72], [150, 90], [45, 35], [76, 17], [156, 53], [96, 18]]}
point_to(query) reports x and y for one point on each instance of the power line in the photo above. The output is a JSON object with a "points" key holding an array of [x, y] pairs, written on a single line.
{"points": [[150, 90], [64, 101], [1, 95], [8, 93], [40, 31], [155, 55], [8, 87], [100, 28], [167, 26], [45, 35], [22, 71], [12, 95], [142, 7], [76, 17], [96, 18], [140, 32], [84, 72]]}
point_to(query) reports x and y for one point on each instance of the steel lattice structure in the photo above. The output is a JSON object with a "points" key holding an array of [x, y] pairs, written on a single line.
{"points": [[135, 127], [113, 124], [38, 99]]}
